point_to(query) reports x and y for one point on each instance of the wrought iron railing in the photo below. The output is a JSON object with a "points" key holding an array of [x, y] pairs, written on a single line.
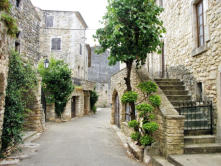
{"points": [[198, 115]]}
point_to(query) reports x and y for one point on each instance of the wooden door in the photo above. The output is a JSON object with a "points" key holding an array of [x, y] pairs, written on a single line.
{"points": [[117, 111], [73, 107]]}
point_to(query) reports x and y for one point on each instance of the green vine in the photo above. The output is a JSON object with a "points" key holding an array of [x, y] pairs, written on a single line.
{"points": [[9, 21], [56, 83], [21, 80], [145, 126]]}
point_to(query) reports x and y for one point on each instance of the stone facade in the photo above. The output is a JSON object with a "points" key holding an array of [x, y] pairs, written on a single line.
{"points": [[183, 58], [170, 135], [70, 28], [100, 72]]}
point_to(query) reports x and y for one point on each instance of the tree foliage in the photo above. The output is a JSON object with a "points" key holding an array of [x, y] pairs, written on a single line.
{"points": [[93, 100], [56, 83], [132, 29], [21, 80]]}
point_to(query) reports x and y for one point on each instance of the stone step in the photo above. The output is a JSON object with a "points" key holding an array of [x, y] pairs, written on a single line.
{"points": [[195, 123], [202, 148], [197, 131], [165, 83], [176, 104], [167, 80], [179, 98], [169, 87], [194, 115], [200, 139], [175, 92], [160, 161]]}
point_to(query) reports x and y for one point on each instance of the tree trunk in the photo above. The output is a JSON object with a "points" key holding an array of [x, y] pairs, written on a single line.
{"points": [[129, 88]]}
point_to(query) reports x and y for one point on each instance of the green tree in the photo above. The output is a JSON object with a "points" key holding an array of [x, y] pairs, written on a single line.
{"points": [[57, 83], [132, 30]]}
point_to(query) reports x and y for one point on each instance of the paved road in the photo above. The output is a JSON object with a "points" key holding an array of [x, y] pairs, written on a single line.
{"points": [[87, 141]]}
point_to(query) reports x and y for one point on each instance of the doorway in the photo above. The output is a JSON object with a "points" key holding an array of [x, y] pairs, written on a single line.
{"points": [[117, 111], [73, 107]]}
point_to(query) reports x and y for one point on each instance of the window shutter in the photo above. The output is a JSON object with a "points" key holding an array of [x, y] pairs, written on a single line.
{"points": [[56, 44], [49, 21]]}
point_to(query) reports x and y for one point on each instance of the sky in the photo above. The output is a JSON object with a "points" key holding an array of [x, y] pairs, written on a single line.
{"points": [[91, 10]]}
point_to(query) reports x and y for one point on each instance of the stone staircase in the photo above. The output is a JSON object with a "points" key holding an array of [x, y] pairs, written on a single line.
{"points": [[196, 141]]}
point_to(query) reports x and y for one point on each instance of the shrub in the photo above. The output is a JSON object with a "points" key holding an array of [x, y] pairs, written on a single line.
{"points": [[129, 97], [56, 83], [151, 127], [5, 5], [21, 80], [135, 136], [133, 124], [144, 109], [155, 100], [148, 87], [93, 100], [10, 23], [146, 140]]}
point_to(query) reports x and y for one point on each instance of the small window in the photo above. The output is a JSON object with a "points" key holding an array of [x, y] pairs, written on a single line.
{"points": [[80, 49], [18, 3], [199, 93], [200, 23], [17, 46], [56, 44], [49, 21], [161, 3], [128, 112]]}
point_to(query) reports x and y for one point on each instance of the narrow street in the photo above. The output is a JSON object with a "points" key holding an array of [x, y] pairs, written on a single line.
{"points": [[86, 141]]}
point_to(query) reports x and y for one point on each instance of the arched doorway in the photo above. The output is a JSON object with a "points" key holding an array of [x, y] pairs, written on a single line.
{"points": [[117, 111]]}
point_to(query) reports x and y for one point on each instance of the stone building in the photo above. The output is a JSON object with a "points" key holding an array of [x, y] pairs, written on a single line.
{"points": [[192, 50], [62, 36], [100, 72], [188, 70]]}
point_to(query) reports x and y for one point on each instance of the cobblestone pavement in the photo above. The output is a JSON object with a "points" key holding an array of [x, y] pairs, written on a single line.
{"points": [[86, 141]]}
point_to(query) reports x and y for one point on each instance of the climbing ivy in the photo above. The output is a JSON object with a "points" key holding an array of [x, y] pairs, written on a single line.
{"points": [[6, 17], [56, 83], [21, 80], [145, 126]]}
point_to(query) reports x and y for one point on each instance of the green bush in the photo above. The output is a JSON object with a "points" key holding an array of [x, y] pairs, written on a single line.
{"points": [[135, 136], [146, 140], [129, 97], [94, 109], [133, 124], [56, 83], [148, 87], [5, 5], [10, 23], [21, 80], [155, 100], [144, 109], [151, 127], [93, 100]]}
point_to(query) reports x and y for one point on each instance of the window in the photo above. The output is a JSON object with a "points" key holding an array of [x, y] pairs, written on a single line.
{"points": [[49, 21], [128, 112], [161, 3], [18, 3], [56, 44], [200, 24], [17, 46], [199, 93], [80, 49]]}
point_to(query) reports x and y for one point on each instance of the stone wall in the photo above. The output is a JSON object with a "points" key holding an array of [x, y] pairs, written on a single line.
{"points": [[100, 72], [170, 135], [184, 60], [4, 60], [68, 27], [28, 22]]}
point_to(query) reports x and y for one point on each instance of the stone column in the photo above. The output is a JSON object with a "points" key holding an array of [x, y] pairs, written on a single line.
{"points": [[50, 112]]}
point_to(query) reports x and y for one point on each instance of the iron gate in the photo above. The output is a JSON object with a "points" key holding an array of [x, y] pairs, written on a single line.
{"points": [[198, 115]]}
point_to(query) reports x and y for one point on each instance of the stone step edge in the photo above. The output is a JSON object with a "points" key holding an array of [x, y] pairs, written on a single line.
{"points": [[199, 146], [173, 161], [199, 137], [160, 161]]}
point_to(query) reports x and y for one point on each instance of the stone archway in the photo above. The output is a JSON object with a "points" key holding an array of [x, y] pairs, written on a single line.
{"points": [[219, 105]]}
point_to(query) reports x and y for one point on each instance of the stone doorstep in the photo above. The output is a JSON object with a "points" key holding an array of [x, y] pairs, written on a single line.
{"points": [[9, 162], [160, 161]]}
